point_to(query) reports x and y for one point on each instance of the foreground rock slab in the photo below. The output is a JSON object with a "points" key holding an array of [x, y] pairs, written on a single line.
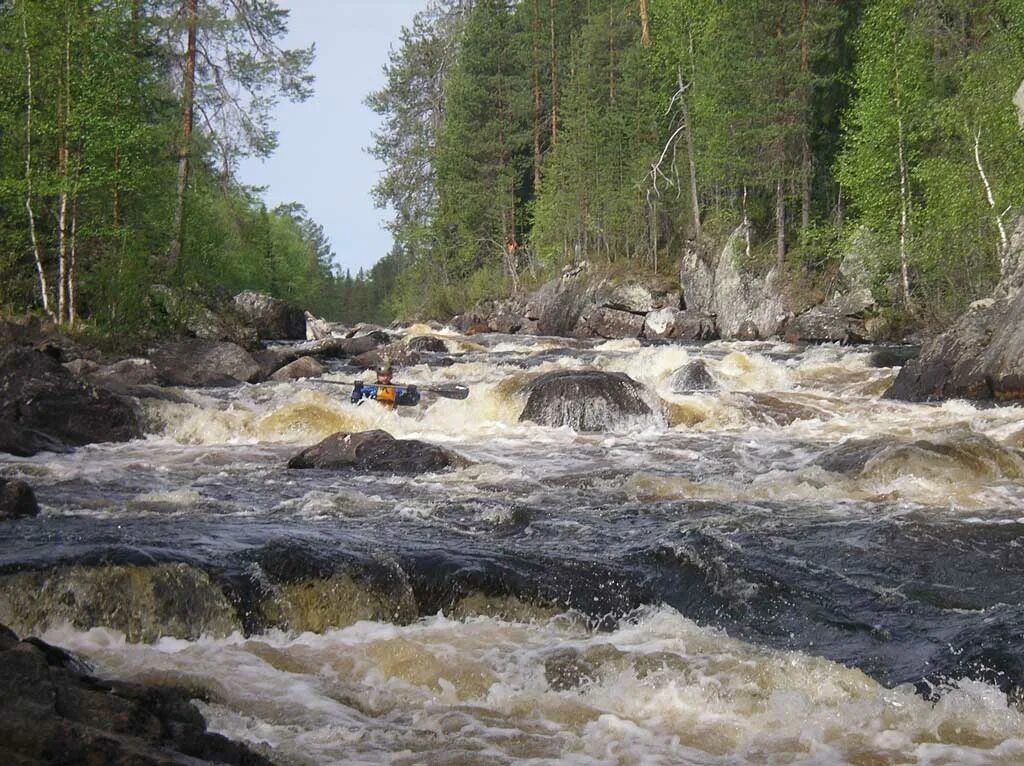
{"points": [[44, 407], [376, 451], [586, 400], [52, 711]]}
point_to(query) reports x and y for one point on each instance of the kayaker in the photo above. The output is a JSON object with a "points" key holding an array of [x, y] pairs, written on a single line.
{"points": [[386, 393]]}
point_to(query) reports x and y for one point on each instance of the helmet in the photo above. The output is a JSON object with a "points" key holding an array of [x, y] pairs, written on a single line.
{"points": [[385, 366]]}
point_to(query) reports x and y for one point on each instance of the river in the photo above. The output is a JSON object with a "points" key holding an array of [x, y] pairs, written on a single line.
{"points": [[787, 570]]}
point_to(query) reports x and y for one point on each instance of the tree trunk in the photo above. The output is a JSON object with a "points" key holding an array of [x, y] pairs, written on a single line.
{"points": [[536, 98], [554, 77], [645, 32], [44, 289], [691, 157], [747, 235], [806, 164], [191, 8], [780, 223], [1004, 239], [904, 215], [63, 172], [73, 268]]}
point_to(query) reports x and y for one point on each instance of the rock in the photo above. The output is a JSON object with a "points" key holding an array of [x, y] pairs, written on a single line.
{"points": [[559, 305], [638, 297], [364, 328], [399, 354], [368, 341], [427, 344], [52, 711], [584, 400], [376, 451], [16, 499], [895, 356], [506, 323], [746, 330], [303, 367], [612, 323], [270, 360], [81, 367], [733, 293], [203, 363], [669, 323], [982, 355], [273, 319], [199, 315], [826, 324], [693, 376], [127, 372], [44, 407]]}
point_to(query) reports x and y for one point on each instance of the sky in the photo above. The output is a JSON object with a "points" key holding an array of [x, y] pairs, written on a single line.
{"points": [[321, 160]]}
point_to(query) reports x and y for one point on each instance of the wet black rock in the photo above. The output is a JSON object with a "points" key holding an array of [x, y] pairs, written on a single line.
{"points": [[204, 363], [273, 319], [584, 400], [52, 711], [828, 323], [43, 407], [693, 376], [376, 451], [16, 499], [895, 356], [121, 375]]}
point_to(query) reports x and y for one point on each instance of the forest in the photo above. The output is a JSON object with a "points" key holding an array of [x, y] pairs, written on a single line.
{"points": [[519, 137], [516, 138], [122, 123]]}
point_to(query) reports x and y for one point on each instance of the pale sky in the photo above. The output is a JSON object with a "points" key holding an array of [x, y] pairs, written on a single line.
{"points": [[321, 160]]}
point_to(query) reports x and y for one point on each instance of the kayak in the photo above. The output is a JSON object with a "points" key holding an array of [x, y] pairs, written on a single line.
{"points": [[406, 396]]}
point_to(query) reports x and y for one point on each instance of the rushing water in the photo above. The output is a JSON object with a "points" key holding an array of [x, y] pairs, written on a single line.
{"points": [[788, 570]]}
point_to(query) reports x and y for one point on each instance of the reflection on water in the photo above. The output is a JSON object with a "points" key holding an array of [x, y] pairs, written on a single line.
{"points": [[821, 576]]}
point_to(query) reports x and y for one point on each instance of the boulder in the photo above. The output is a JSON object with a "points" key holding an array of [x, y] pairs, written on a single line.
{"points": [[506, 322], [826, 324], [638, 297], [428, 344], [559, 305], [273, 319], [399, 354], [376, 451], [199, 315], [669, 323], [127, 372], [584, 400], [203, 363], [52, 711], [982, 355], [693, 376], [613, 323], [303, 367], [738, 296], [44, 407], [16, 499]]}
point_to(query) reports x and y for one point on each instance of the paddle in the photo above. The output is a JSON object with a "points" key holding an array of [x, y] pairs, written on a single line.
{"points": [[451, 391]]}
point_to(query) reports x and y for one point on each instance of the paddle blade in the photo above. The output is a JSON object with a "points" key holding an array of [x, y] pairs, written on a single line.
{"points": [[454, 391]]}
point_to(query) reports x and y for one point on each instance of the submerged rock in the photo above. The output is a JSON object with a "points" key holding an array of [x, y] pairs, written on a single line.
{"points": [[43, 407], [693, 376], [376, 451], [52, 711], [273, 319], [204, 363], [584, 400], [143, 602], [16, 499]]}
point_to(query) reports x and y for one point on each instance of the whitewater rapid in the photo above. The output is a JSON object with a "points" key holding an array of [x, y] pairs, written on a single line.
{"points": [[789, 569]]}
